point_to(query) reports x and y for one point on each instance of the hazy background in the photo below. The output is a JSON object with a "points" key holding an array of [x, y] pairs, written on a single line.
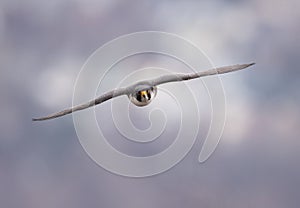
{"points": [[43, 45]]}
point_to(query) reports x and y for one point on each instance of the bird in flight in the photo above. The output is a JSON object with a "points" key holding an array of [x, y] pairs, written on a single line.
{"points": [[143, 92]]}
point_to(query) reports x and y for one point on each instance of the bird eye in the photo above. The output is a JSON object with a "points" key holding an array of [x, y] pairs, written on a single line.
{"points": [[149, 94], [138, 96]]}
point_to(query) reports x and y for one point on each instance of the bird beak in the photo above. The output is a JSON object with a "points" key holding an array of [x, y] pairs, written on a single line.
{"points": [[144, 93]]}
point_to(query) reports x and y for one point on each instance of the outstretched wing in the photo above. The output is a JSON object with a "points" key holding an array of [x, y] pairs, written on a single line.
{"points": [[182, 77], [101, 99], [153, 82]]}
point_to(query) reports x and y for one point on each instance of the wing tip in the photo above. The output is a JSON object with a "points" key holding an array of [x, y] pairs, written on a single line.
{"points": [[247, 65], [37, 119], [243, 66], [251, 64], [42, 118]]}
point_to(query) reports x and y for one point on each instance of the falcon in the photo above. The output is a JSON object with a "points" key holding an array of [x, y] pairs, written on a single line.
{"points": [[143, 92]]}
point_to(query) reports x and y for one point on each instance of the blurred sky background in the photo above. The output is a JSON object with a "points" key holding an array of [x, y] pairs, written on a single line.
{"points": [[43, 45]]}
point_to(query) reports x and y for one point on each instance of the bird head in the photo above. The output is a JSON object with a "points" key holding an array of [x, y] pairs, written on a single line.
{"points": [[142, 95]]}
